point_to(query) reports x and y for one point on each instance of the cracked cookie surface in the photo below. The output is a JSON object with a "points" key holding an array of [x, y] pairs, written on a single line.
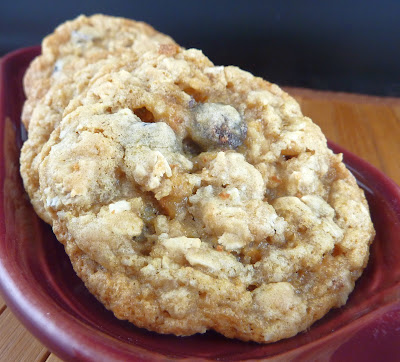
{"points": [[77, 53], [191, 197], [82, 41]]}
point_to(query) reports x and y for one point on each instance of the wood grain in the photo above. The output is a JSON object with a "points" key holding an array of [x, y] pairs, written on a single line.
{"points": [[2, 304], [367, 126], [53, 358], [16, 343]]}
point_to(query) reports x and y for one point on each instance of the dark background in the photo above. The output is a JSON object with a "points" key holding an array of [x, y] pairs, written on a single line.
{"points": [[351, 46]]}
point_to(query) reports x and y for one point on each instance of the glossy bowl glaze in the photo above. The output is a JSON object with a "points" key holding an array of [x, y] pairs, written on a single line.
{"points": [[41, 288]]}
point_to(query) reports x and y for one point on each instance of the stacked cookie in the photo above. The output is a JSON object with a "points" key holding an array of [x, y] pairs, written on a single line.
{"points": [[188, 196]]}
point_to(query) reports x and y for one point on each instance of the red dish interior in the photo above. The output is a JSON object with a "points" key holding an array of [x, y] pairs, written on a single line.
{"points": [[41, 288]]}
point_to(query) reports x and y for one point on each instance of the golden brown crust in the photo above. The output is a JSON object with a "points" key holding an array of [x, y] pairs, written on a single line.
{"points": [[82, 41], [192, 197], [68, 64]]}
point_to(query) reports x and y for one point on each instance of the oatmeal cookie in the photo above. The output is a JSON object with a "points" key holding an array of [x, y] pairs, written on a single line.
{"points": [[191, 197], [77, 53], [49, 111], [82, 41]]}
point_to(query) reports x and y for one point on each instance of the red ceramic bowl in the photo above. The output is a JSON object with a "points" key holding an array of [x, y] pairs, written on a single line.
{"points": [[40, 287]]}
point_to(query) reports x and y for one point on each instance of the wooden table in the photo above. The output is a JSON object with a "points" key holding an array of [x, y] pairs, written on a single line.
{"points": [[367, 126]]}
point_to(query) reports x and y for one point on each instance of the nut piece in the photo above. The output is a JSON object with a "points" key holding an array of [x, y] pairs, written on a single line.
{"points": [[217, 125]]}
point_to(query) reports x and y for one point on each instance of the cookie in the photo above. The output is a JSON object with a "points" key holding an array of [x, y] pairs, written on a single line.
{"points": [[48, 113], [192, 197], [67, 66], [83, 41]]}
